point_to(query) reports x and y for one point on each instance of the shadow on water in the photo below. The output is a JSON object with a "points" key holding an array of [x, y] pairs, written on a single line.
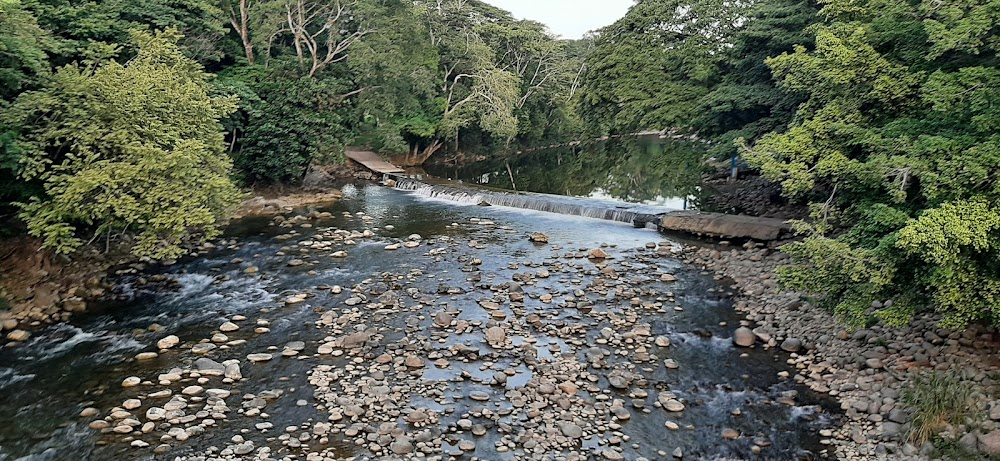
{"points": [[64, 368]]}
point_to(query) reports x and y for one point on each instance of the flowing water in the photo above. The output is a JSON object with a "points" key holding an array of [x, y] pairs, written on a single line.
{"points": [[46, 382]]}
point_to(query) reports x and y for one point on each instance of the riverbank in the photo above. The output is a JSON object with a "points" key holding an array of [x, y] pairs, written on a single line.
{"points": [[39, 287], [866, 370]]}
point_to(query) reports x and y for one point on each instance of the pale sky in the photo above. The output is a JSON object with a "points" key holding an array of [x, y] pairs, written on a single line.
{"points": [[567, 18]]}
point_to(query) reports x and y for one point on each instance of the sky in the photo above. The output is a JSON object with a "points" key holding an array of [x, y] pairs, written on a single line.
{"points": [[567, 18]]}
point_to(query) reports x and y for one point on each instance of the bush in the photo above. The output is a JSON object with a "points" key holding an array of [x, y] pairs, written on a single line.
{"points": [[134, 148]]}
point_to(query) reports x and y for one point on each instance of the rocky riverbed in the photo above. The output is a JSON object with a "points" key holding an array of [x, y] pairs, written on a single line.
{"points": [[393, 327], [866, 370]]}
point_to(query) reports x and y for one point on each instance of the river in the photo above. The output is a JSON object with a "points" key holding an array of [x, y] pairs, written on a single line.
{"points": [[595, 331]]}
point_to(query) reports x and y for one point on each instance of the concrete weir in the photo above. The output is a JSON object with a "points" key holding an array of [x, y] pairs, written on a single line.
{"points": [[725, 226], [715, 225]]}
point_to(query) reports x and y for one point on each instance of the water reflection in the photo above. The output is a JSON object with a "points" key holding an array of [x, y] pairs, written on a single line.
{"points": [[647, 170]]}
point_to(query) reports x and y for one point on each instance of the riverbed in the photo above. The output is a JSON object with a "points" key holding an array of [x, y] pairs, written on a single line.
{"points": [[441, 330]]}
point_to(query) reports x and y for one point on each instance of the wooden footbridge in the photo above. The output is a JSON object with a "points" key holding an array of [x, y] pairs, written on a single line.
{"points": [[374, 162]]}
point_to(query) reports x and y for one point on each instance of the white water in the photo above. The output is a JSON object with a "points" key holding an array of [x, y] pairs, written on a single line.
{"points": [[589, 208]]}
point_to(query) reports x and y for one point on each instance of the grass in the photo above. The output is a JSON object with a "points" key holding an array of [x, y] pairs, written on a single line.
{"points": [[937, 400]]}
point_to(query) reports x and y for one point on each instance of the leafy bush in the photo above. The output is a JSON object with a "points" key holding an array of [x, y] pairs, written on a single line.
{"points": [[125, 148]]}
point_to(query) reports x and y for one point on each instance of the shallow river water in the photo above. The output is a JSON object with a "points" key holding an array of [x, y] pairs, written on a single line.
{"points": [[596, 319]]}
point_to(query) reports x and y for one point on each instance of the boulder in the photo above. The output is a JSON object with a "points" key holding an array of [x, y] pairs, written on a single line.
{"points": [[744, 337]]}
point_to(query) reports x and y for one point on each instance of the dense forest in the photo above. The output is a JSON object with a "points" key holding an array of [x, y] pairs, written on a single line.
{"points": [[148, 116]]}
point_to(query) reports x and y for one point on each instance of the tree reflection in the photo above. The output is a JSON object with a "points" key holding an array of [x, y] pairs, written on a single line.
{"points": [[638, 170]]}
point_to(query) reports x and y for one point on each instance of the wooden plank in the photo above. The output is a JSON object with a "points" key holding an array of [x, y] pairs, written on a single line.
{"points": [[373, 162], [725, 226]]}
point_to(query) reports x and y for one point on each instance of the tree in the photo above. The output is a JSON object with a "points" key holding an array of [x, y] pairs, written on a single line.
{"points": [[134, 147], [897, 145]]}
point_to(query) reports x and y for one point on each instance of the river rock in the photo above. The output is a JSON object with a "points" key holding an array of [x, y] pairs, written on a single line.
{"points": [[443, 319], [413, 361], [18, 335], [8, 324], [243, 448], [155, 413], [571, 430], [597, 253], [538, 237], [233, 371], [168, 342], [228, 327], [673, 405], [791, 345], [662, 341], [146, 356], [131, 404], [262, 357], [744, 337], [203, 348], [192, 390], [131, 381], [89, 412], [401, 446], [990, 443], [209, 367], [495, 336]]}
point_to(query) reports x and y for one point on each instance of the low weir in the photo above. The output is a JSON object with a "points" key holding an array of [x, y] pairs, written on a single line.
{"points": [[637, 215], [714, 225]]}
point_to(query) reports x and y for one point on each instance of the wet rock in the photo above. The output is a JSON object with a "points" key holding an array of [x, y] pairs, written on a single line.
{"points": [[571, 430], [401, 446], [228, 327], [131, 404], [262, 357], [233, 372], [156, 413], [18, 335], [443, 319], [243, 448], [209, 367], [597, 253], [538, 237], [142, 356], [495, 335], [89, 412], [203, 348], [168, 342], [662, 341], [743, 337], [730, 434], [192, 390], [413, 361], [131, 381]]}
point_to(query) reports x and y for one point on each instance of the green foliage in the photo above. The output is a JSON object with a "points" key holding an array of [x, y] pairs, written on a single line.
{"points": [[937, 400], [91, 29], [135, 147], [283, 125], [695, 66], [898, 126]]}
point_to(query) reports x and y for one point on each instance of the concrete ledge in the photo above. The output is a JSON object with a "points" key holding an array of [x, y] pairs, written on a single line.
{"points": [[725, 226]]}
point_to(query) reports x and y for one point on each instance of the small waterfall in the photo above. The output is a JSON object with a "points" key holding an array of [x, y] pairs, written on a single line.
{"points": [[637, 215]]}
